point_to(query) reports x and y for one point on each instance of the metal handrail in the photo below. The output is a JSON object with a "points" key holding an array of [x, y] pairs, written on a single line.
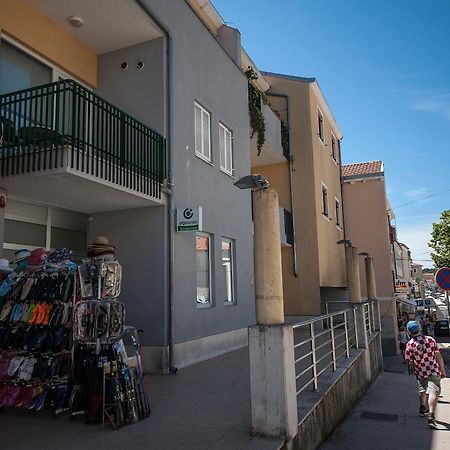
{"points": [[335, 331], [64, 124]]}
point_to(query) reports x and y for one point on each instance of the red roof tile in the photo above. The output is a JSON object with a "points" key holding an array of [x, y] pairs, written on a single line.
{"points": [[364, 168]]}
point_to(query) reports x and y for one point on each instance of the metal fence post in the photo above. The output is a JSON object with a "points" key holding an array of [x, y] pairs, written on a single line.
{"points": [[333, 345], [355, 327], [313, 355], [347, 347]]}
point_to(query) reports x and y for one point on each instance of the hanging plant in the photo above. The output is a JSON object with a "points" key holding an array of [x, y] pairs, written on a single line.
{"points": [[255, 99]]}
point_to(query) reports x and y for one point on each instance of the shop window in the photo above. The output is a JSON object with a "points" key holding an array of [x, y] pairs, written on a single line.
{"points": [[25, 233], [226, 149], [73, 239], [202, 119], [203, 249], [228, 270]]}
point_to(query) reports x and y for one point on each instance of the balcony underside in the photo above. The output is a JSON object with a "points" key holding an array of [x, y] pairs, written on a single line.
{"points": [[270, 154], [75, 186]]}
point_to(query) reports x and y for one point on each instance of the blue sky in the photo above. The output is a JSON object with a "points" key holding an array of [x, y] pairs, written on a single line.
{"points": [[384, 68]]}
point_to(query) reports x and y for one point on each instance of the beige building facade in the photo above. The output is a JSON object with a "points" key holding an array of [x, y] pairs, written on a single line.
{"points": [[368, 223], [308, 184]]}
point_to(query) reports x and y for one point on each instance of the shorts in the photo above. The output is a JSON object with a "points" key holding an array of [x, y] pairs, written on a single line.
{"points": [[402, 346], [430, 385]]}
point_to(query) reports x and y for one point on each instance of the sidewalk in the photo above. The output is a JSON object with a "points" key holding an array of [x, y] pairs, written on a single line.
{"points": [[387, 417], [205, 406]]}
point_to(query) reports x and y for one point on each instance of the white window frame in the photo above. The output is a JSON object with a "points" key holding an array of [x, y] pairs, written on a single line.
{"points": [[338, 213], [210, 238], [201, 152], [325, 210], [232, 269], [227, 154], [333, 147], [320, 126]]}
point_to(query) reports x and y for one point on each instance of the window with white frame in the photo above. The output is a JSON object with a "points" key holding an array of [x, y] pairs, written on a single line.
{"points": [[203, 250], [337, 210], [202, 119], [338, 154], [333, 147], [228, 270], [325, 210], [320, 130], [226, 149]]}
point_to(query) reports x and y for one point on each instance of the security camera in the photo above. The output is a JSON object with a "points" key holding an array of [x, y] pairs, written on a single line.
{"points": [[139, 65], [124, 66]]}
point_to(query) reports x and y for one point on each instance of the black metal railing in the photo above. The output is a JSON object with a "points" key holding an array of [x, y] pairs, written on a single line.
{"points": [[63, 124]]}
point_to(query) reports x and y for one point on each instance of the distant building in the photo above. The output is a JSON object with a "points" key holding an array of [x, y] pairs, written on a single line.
{"points": [[368, 219]]}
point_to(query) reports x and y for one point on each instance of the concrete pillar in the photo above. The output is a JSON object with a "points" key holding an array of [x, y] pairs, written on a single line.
{"points": [[272, 381], [353, 281], [267, 252], [370, 279]]}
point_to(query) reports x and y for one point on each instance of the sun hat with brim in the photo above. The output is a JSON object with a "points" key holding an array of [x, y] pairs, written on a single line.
{"points": [[20, 255], [37, 257], [4, 266], [101, 240], [412, 326]]}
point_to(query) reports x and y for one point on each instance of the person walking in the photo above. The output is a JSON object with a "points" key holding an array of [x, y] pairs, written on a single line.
{"points": [[423, 353], [403, 339]]}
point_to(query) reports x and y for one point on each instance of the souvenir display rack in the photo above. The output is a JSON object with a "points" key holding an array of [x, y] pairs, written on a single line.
{"points": [[61, 342]]}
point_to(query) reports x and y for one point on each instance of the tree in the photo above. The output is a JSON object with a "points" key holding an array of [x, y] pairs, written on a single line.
{"points": [[440, 241]]}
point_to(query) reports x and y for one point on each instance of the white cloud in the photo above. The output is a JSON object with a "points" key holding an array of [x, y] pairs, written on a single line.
{"points": [[437, 103], [416, 237]]}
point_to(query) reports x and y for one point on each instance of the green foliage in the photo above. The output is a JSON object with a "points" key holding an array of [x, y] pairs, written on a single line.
{"points": [[255, 98], [440, 241]]}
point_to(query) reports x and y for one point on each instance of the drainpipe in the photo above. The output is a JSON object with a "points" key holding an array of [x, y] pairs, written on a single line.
{"points": [[168, 190], [291, 190], [342, 191]]}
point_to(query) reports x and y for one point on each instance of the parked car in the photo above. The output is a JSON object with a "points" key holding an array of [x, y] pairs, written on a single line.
{"points": [[441, 328]]}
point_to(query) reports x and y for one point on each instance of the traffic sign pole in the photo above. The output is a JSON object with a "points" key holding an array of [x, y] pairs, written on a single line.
{"points": [[448, 305]]}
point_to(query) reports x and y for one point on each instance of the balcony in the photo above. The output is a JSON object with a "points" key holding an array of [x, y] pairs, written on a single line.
{"points": [[95, 157], [275, 149]]}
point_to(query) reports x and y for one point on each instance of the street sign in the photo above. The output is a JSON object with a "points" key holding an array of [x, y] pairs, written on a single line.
{"points": [[419, 302], [443, 278], [427, 302]]}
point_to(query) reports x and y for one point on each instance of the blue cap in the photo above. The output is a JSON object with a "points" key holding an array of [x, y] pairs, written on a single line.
{"points": [[412, 326]]}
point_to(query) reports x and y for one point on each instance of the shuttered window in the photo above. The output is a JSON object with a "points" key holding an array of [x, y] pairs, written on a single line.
{"points": [[226, 149], [202, 119]]}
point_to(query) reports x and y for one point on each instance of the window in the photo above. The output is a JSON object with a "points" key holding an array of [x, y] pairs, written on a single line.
{"points": [[202, 120], [333, 147], [228, 270], [226, 149], [320, 130], [18, 70], [338, 156], [324, 200], [337, 207], [203, 246]]}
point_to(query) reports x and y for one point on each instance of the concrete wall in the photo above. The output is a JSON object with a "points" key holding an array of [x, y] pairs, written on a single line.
{"points": [[32, 29], [140, 239], [203, 71], [142, 92], [338, 399]]}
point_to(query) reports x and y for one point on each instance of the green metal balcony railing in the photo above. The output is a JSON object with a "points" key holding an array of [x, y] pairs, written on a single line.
{"points": [[63, 124]]}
